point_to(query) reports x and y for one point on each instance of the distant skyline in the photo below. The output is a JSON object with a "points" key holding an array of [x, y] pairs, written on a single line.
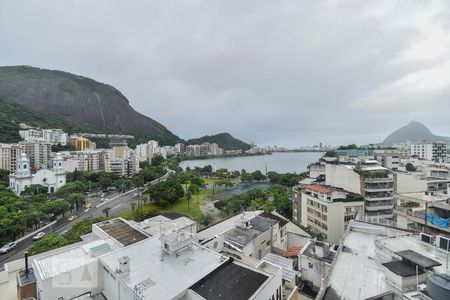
{"points": [[290, 73]]}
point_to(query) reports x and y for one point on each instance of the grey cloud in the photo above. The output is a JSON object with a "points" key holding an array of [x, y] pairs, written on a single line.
{"points": [[291, 72]]}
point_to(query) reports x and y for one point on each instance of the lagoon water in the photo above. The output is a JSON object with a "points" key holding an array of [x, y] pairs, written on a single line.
{"points": [[280, 162]]}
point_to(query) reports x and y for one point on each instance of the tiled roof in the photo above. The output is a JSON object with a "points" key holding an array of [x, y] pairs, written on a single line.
{"points": [[318, 188], [293, 251]]}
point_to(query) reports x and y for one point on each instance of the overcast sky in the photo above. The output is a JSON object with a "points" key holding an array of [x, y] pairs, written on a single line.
{"points": [[274, 72]]}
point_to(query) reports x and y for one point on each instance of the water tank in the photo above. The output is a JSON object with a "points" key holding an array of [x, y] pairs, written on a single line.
{"points": [[438, 286]]}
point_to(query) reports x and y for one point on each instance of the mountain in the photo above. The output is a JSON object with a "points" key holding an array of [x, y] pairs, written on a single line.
{"points": [[80, 100], [414, 132], [224, 140]]}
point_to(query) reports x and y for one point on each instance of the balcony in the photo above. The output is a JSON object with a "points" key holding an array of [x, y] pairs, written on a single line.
{"points": [[378, 180], [379, 207], [379, 188]]}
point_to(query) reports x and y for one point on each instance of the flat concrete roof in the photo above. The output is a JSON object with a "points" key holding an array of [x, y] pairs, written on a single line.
{"points": [[358, 272], [170, 275], [121, 231], [159, 224]]}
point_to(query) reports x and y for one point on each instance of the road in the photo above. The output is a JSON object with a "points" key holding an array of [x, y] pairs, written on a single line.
{"points": [[117, 202]]}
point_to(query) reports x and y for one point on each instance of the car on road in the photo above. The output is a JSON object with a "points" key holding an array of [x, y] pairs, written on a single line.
{"points": [[38, 236], [7, 247], [89, 205], [71, 218], [63, 233]]}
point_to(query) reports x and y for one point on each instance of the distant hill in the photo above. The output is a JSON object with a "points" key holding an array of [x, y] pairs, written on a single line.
{"points": [[414, 132], [80, 100], [224, 140], [55, 99]]}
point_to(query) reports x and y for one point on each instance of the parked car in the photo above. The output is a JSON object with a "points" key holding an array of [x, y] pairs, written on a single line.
{"points": [[7, 247], [89, 205], [38, 236]]}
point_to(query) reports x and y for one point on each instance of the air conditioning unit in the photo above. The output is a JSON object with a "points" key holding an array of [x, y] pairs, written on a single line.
{"points": [[426, 238], [443, 242]]}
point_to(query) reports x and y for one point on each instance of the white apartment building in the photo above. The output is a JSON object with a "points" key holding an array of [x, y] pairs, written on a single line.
{"points": [[53, 136], [374, 183], [85, 160], [327, 210], [8, 156], [122, 262], [121, 160], [435, 151], [38, 152], [390, 159]]}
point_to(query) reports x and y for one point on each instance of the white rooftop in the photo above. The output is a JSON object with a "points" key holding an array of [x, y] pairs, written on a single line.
{"points": [[69, 259], [147, 265], [357, 272], [159, 224], [225, 225]]}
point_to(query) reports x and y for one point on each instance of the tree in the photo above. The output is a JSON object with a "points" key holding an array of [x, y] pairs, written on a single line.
{"points": [[410, 167], [105, 182], [205, 219], [75, 199], [194, 190], [330, 153], [246, 177], [132, 204], [188, 197], [35, 189], [198, 181], [4, 177], [258, 176], [47, 243], [55, 207], [106, 211], [157, 160]]}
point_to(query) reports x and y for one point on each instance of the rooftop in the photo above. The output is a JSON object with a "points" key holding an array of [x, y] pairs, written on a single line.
{"points": [[261, 223], [156, 225], [402, 268], [310, 251], [121, 231], [230, 281], [366, 247], [418, 259], [272, 216], [155, 271], [318, 189], [241, 236]]}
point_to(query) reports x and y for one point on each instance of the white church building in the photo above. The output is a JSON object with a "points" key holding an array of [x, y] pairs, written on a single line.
{"points": [[53, 179]]}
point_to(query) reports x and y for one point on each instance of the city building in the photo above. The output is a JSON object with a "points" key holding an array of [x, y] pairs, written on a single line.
{"points": [[120, 261], [121, 160], [388, 158], [316, 170], [85, 161], [373, 182], [408, 182], [382, 262], [81, 143], [428, 212], [314, 262], [38, 152], [53, 136], [327, 210], [435, 151], [8, 156], [52, 179]]}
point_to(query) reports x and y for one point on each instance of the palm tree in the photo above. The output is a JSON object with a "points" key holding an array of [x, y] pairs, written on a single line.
{"points": [[194, 189], [188, 198], [106, 211]]}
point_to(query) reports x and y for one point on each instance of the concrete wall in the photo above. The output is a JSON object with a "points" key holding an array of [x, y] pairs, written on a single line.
{"points": [[343, 177], [70, 284], [407, 183]]}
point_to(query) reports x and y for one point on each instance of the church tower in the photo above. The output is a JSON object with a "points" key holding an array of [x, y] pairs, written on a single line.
{"points": [[58, 164], [23, 166]]}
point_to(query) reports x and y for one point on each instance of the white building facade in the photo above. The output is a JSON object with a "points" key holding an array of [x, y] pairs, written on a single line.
{"points": [[52, 179]]}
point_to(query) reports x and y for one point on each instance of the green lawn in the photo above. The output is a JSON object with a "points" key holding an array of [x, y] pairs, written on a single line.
{"points": [[179, 207]]}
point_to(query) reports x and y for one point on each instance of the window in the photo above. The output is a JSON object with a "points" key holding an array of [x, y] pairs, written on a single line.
{"points": [[310, 265], [348, 209]]}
